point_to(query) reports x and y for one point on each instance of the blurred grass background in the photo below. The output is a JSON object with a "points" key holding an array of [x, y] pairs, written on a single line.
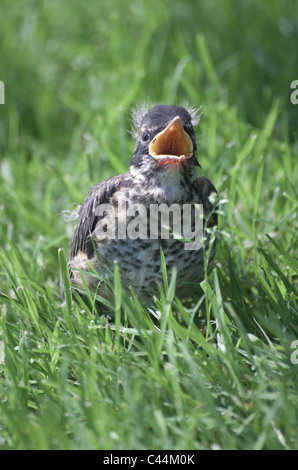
{"points": [[72, 72]]}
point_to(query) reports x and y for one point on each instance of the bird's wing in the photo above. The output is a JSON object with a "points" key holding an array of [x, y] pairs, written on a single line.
{"points": [[209, 198], [100, 193]]}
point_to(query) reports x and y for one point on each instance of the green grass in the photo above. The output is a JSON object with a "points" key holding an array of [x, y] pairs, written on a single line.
{"points": [[212, 372]]}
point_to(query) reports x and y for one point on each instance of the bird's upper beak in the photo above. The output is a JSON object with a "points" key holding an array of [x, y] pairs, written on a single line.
{"points": [[172, 145]]}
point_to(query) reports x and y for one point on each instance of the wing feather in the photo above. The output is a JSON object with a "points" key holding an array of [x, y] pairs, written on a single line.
{"points": [[209, 198], [100, 193]]}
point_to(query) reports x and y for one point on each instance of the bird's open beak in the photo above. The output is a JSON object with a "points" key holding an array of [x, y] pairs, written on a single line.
{"points": [[172, 144]]}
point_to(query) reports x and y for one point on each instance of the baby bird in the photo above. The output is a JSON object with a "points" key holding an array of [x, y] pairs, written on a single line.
{"points": [[126, 218]]}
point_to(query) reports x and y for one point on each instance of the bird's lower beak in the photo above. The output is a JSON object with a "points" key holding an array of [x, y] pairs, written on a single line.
{"points": [[172, 144]]}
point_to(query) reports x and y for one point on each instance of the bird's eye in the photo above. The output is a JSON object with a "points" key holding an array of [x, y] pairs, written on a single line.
{"points": [[145, 137], [187, 126]]}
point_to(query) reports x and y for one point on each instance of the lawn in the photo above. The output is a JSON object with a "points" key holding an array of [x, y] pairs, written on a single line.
{"points": [[220, 369]]}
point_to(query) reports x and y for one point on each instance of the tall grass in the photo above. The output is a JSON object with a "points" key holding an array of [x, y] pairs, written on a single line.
{"points": [[217, 370]]}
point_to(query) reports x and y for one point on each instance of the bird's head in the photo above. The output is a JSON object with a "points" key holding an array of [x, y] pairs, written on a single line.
{"points": [[165, 141]]}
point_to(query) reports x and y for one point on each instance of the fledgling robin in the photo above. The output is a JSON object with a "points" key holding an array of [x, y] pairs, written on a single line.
{"points": [[162, 174]]}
